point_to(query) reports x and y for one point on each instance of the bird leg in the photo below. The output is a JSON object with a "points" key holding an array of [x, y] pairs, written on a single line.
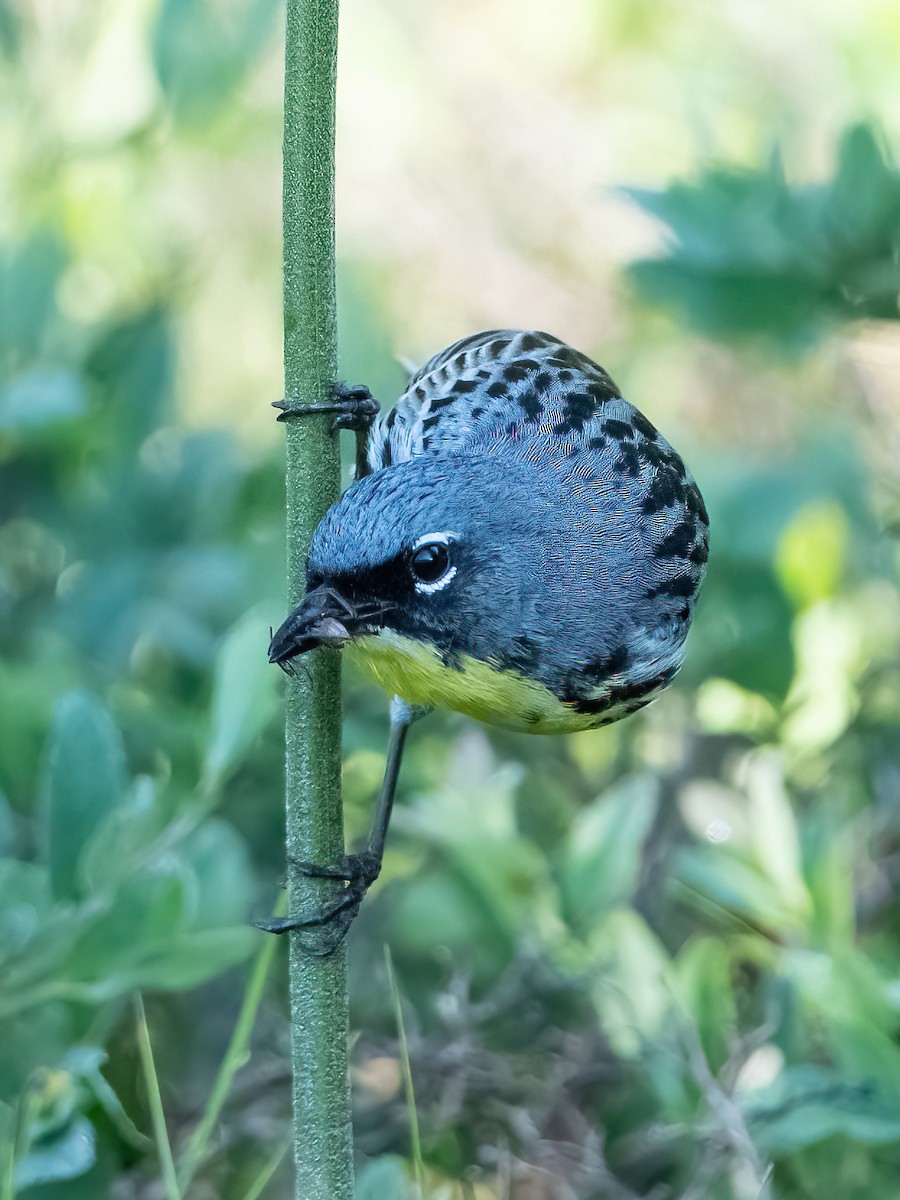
{"points": [[354, 408], [356, 872]]}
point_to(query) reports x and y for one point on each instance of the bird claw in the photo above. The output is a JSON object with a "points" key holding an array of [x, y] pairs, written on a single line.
{"points": [[328, 925], [358, 410], [354, 407]]}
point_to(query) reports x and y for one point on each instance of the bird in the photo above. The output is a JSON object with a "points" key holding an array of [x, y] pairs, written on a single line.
{"points": [[521, 545]]}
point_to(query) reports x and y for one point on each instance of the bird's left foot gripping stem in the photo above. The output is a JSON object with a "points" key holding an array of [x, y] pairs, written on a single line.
{"points": [[354, 407], [327, 926]]}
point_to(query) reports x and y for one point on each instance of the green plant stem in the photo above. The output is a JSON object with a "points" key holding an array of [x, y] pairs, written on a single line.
{"points": [[409, 1091], [322, 1131], [235, 1057], [8, 1181], [157, 1116], [269, 1167], [23, 1115]]}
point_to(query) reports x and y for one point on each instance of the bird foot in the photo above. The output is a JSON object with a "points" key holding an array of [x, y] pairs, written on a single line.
{"points": [[359, 408], [354, 407], [326, 927]]}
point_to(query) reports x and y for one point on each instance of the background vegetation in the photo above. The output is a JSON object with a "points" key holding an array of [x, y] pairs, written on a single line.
{"points": [[653, 962]]}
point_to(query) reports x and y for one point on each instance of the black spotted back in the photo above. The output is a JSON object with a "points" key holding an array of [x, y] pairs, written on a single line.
{"points": [[588, 517], [630, 501], [498, 375]]}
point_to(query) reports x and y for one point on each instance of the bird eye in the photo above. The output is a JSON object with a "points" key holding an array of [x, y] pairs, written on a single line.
{"points": [[430, 562], [430, 566]]}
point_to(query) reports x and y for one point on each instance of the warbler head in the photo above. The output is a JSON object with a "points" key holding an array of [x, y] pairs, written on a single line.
{"points": [[426, 549], [457, 562]]}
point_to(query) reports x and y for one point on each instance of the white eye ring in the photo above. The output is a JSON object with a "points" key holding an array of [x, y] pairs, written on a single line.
{"points": [[436, 585]]}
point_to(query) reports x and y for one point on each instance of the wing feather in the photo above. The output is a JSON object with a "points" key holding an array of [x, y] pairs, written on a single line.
{"points": [[507, 376]]}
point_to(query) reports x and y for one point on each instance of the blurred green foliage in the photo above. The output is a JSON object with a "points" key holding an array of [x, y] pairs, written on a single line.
{"points": [[202, 51], [656, 961], [753, 255]]}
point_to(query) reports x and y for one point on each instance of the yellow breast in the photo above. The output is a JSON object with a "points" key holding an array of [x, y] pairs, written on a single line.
{"points": [[414, 671]]}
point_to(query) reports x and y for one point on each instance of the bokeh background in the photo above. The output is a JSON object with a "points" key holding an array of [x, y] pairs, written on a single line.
{"points": [[659, 961]]}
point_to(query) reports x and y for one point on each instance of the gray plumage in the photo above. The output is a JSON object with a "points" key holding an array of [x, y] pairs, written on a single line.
{"points": [[578, 537]]}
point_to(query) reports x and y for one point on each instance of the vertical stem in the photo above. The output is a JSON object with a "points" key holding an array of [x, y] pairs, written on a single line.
{"points": [[318, 986], [154, 1100]]}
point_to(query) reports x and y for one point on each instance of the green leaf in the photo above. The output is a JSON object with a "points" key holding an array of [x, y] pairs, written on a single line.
{"points": [[147, 913], [132, 369], [633, 989], [29, 272], [751, 255], [746, 629], [726, 304], [807, 1104], [84, 779], [7, 829], [812, 551], [712, 878], [53, 1159], [7, 1137], [183, 961], [42, 955], [776, 841], [384, 1176], [830, 875], [487, 882], [202, 51], [603, 853], [847, 995], [244, 695], [153, 897], [25, 902], [703, 982], [10, 31], [864, 198], [475, 899], [122, 839], [41, 398], [85, 1062], [224, 883]]}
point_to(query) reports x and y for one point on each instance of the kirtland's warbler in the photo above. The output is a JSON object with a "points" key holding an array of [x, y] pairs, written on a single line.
{"points": [[522, 545]]}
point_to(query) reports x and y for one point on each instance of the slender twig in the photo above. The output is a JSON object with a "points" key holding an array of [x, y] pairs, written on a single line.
{"points": [[7, 1180], [25, 1112], [750, 1175], [322, 1131], [415, 1139], [157, 1116], [235, 1056], [268, 1169]]}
